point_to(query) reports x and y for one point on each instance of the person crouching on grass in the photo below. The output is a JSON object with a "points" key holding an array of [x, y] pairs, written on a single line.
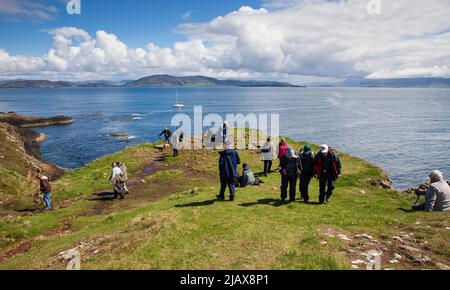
{"points": [[46, 189]]}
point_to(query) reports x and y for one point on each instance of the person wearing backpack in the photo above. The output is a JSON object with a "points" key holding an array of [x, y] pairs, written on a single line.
{"points": [[117, 182], [228, 162], [167, 134], [46, 189], [291, 168], [328, 169], [177, 141], [267, 156], [307, 158]]}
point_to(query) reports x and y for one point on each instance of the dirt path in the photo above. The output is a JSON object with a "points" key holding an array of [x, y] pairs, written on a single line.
{"points": [[104, 203]]}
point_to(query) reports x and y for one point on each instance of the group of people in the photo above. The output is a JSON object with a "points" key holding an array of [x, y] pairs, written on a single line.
{"points": [[293, 167], [118, 179], [326, 166]]}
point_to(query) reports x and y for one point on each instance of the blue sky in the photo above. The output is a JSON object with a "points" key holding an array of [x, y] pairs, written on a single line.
{"points": [[299, 41], [135, 22]]}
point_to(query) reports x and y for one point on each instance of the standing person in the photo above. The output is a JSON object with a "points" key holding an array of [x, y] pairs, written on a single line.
{"points": [[307, 160], [267, 155], [281, 150], [46, 189], [124, 176], [328, 168], [437, 197], [167, 134], [116, 181], [177, 141], [225, 132], [291, 168], [228, 162]]}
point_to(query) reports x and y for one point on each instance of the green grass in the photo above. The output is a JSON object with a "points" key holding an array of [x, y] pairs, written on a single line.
{"points": [[189, 229]]}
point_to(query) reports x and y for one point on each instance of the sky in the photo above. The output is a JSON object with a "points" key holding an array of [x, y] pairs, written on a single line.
{"points": [[300, 41]]}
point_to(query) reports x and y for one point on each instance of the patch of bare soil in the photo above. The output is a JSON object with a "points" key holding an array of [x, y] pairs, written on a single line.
{"points": [[402, 251]]}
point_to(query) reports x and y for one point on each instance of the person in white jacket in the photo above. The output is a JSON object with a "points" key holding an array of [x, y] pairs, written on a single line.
{"points": [[267, 155]]}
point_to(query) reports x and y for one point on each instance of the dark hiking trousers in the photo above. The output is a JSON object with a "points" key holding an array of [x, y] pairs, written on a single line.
{"points": [[117, 194], [305, 180], [327, 185], [223, 186], [267, 166], [291, 182]]}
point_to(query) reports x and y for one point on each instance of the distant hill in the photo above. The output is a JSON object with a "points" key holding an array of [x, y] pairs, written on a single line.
{"points": [[200, 81], [395, 83], [151, 81]]}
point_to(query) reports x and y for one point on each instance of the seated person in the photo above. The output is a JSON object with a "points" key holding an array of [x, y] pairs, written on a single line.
{"points": [[247, 178], [437, 197]]}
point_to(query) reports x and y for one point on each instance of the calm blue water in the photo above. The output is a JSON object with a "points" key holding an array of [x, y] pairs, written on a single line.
{"points": [[405, 131]]}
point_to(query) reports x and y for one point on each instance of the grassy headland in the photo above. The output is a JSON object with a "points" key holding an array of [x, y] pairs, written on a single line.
{"points": [[172, 220]]}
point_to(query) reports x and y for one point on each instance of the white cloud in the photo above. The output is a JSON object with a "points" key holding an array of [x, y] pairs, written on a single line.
{"points": [[288, 40], [18, 9]]}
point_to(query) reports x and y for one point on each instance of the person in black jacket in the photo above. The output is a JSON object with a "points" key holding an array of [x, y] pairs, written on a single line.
{"points": [[328, 170], [290, 170], [307, 158], [167, 134]]}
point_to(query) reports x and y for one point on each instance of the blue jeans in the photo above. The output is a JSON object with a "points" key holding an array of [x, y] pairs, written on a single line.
{"points": [[47, 200]]}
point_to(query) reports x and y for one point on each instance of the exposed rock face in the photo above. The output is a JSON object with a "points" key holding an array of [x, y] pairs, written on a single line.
{"points": [[30, 121], [384, 184], [20, 150]]}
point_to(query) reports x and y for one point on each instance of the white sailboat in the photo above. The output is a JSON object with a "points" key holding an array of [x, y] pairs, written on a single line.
{"points": [[178, 105]]}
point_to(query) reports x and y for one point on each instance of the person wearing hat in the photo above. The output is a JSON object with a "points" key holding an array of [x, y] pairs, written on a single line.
{"points": [[307, 160], [228, 162], [328, 169], [291, 168], [437, 197], [46, 189]]}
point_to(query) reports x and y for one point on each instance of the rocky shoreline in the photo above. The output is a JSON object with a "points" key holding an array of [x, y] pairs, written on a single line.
{"points": [[20, 147]]}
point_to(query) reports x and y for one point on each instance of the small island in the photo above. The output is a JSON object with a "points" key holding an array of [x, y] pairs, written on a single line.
{"points": [[23, 121]]}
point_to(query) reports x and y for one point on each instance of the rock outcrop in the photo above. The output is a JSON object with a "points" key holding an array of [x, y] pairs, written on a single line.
{"points": [[381, 183], [20, 152], [30, 121]]}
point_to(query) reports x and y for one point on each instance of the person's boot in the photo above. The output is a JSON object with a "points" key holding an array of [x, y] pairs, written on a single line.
{"points": [[220, 197]]}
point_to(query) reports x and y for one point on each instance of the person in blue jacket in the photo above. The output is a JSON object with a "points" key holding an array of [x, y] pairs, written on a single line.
{"points": [[228, 164]]}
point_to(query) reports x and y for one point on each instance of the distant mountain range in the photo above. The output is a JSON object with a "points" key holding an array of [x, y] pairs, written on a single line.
{"points": [[202, 81], [151, 81], [394, 83]]}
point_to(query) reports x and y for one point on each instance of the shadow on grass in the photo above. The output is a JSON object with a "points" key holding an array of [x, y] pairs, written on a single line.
{"points": [[266, 201], [103, 196], [198, 204], [410, 210]]}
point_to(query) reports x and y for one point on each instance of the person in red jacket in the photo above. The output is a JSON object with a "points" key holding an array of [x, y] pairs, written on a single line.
{"points": [[282, 150], [328, 169]]}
